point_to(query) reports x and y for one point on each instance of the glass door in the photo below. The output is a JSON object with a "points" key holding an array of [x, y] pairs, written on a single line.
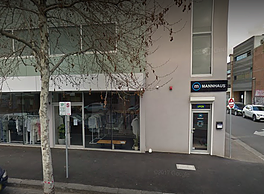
{"points": [[76, 132], [200, 131], [76, 126]]}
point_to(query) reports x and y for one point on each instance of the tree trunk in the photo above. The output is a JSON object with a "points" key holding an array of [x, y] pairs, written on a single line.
{"points": [[48, 180], [43, 65]]}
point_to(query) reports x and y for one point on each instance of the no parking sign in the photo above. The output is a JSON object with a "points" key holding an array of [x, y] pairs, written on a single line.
{"points": [[231, 102], [65, 108]]}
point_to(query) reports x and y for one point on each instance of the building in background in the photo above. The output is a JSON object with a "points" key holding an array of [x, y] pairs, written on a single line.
{"points": [[258, 74], [244, 75], [229, 80]]}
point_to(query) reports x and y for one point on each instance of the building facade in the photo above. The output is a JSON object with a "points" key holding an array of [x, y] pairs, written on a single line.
{"points": [[183, 113], [243, 68], [257, 74]]}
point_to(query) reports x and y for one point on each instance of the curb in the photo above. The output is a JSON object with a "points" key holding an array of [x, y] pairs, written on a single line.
{"points": [[74, 187], [246, 147]]}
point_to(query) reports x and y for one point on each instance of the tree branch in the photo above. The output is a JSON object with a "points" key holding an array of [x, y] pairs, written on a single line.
{"points": [[64, 57], [12, 36]]}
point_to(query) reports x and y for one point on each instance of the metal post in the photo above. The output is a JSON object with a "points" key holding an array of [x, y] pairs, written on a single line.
{"points": [[230, 132], [67, 121]]}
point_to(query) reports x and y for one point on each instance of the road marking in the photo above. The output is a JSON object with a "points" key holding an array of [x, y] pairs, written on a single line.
{"points": [[261, 133], [185, 167]]}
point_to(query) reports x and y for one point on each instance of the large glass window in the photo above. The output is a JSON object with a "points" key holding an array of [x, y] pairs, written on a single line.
{"points": [[28, 35], [67, 97], [202, 16], [99, 37], [201, 38], [112, 120], [19, 118], [104, 120], [6, 46], [201, 58], [64, 40]]}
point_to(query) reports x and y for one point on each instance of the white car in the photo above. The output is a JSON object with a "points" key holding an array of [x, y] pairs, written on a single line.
{"points": [[256, 112]]}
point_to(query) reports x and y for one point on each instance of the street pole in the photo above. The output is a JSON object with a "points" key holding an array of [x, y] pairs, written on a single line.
{"points": [[231, 104], [67, 119], [230, 132]]}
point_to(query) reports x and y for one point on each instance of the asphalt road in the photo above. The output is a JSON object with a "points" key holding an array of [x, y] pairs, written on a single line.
{"points": [[244, 129]]}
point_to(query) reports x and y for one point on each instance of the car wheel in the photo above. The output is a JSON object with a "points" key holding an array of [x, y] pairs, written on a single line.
{"points": [[254, 118], [235, 113], [244, 116]]}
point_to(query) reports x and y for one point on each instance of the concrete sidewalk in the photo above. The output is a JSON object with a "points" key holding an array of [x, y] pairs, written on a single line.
{"points": [[241, 151], [156, 173]]}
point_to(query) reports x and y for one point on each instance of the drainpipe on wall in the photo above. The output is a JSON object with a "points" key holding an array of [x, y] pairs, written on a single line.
{"points": [[253, 89], [231, 76]]}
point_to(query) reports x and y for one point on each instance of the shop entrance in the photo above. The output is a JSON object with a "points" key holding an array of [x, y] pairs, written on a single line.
{"points": [[200, 130], [76, 125]]}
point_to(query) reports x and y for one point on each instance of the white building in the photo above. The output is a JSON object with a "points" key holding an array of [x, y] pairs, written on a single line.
{"points": [[184, 113]]}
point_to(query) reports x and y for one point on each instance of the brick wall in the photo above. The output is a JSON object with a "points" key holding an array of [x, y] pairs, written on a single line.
{"points": [[258, 71]]}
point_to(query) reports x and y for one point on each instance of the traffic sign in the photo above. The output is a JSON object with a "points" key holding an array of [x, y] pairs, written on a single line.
{"points": [[65, 108], [231, 102]]}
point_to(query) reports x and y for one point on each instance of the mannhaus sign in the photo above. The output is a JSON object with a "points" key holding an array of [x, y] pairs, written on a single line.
{"points": [[209, 86]]}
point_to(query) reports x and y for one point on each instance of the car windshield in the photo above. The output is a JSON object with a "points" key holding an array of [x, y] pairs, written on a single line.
{"points": [[258, 108], [240, 106]]}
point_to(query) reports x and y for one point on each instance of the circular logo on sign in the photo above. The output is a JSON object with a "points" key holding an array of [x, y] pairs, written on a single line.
{"points": [[196, 86]]}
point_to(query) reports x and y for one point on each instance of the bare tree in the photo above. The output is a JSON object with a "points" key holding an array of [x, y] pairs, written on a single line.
{"points": [[64, 38]]}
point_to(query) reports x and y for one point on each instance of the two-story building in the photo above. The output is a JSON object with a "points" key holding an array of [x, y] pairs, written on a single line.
{"points": [[244, 82], [184, 112]]}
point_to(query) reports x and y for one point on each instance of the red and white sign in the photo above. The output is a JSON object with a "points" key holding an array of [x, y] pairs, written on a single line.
{"points": [[65, 108], [231, 102]]}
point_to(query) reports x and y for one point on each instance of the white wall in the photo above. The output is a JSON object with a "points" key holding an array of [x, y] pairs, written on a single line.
{"points": [[167, 112]]}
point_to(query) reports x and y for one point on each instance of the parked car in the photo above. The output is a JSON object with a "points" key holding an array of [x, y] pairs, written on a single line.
{"points": [[237, 110], [3, 179], [256, 112]]}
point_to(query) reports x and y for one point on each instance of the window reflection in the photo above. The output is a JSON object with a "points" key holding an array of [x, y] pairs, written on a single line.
{"points": [[19, 119], [111, 120]]}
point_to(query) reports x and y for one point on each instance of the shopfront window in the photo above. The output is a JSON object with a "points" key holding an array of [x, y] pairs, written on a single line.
{"points": [[67, 97], [111, 120], [19, 118]]}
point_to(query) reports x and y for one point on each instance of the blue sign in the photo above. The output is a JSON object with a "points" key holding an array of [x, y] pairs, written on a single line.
{"points": [[196, 86]]}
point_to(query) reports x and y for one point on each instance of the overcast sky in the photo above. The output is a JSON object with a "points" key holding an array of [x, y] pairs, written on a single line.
{"points": [[246, 19]]}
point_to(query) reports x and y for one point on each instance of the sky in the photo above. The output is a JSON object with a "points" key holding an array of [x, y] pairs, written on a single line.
{"points": [[245, 19]]}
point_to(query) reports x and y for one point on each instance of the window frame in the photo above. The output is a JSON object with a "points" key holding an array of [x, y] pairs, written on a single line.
{"points": [[211, 42], [80, 26]]}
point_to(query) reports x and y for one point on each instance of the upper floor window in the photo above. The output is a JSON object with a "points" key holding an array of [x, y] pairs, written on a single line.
{"points": [[6, 46], [202, 37], [21, 49], [243, 56], [99, 37], [62, 40]]}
